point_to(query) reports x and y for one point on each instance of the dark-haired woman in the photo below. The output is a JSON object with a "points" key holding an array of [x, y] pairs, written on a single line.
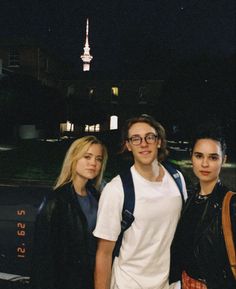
{"points": [[198, 253]]}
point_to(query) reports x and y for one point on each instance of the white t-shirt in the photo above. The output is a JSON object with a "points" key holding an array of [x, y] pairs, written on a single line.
{"points": [[145, 251]]}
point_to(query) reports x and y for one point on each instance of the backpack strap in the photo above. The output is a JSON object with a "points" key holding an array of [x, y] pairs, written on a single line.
{"points": [[227, 231], [128, 207], [176, 176]]}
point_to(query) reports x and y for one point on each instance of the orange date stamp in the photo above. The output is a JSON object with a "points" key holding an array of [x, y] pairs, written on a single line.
{"points": [[21, 233]]}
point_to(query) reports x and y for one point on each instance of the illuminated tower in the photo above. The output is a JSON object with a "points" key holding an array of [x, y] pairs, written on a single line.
{"points": [[86, 57]]}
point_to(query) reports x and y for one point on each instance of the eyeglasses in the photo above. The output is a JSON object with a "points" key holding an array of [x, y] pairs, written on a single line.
{"points": [[137, 140]]}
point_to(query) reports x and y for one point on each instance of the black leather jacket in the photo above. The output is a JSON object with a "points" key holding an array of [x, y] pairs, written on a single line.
{"points": [[60, 251], [208, 242]]}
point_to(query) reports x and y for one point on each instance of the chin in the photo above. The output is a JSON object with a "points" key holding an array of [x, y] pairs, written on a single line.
{"points": [[147, 163]]}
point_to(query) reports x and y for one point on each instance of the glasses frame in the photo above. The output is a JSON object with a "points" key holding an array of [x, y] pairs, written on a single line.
{"points": [[130, 139]]}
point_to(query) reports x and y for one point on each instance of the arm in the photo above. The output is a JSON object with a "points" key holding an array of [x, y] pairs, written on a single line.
{"points": [[42, 259], [103, 264]]}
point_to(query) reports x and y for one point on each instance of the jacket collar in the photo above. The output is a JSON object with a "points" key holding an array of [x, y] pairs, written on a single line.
{"points": [[211, 210]]}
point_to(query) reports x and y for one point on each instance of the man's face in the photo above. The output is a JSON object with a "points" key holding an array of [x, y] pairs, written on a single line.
{"points": [[145, 152]]}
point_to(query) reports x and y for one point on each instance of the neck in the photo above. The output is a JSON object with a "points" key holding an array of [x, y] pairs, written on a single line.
{"points": [[79, 187], [150, 172], [207, 188]]}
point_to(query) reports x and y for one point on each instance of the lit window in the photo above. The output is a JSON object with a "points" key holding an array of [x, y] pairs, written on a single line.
{"points": [[113, 122], [92, 128], [14, 58], [68, 126], [115, 91], [114, 94]]}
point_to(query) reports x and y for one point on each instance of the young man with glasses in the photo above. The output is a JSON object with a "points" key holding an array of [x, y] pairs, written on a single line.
{"points": [[144, 257]]}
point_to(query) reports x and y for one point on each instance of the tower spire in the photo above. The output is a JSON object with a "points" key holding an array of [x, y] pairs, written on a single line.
{"points": [[86, 57]]}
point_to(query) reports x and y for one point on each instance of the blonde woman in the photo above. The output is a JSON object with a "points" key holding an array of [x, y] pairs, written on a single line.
{"points": [[64, 247]]}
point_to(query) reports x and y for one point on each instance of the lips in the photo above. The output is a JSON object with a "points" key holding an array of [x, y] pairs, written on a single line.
{"points": [[91, 170], [205, 173], [144, 152]]}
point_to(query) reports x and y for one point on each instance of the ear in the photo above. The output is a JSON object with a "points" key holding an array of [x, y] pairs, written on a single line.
{"points": [[158, 143], [224, 159], [128, 146]]}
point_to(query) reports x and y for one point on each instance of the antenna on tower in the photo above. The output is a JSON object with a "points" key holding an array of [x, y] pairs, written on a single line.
{"points": [[86, 57]]}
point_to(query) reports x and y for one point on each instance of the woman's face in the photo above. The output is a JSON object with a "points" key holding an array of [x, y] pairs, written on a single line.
{"points": [[207, 160], [88, 167]]}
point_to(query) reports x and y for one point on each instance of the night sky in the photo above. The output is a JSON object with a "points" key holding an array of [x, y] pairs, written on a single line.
{"points": [[127, 34]]}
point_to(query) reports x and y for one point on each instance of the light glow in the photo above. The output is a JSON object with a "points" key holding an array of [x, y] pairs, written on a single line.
{"points": [[113, 122]]}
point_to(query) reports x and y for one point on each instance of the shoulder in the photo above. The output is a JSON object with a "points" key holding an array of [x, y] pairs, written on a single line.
{"points": [[173, 169], [175, 173], [233, 204], [113, 193], [54, 198], [63, 193], [114, 185], [109, 210], [234, 198], [233, 211]]}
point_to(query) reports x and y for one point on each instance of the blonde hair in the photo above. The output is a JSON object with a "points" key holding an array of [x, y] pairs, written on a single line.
{"points": [[75, 152]]}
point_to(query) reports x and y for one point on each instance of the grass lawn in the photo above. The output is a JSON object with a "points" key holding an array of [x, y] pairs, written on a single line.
{"points": [[39, 162], [32, 160]]}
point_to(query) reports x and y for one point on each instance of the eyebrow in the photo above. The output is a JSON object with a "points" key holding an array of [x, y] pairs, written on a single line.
{"points": [[212, 154], [145, 134], [92, 154]]}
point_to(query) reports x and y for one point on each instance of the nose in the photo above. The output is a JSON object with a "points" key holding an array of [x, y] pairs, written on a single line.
{"points": [[93, 161], [143, 142], [204, 162]]}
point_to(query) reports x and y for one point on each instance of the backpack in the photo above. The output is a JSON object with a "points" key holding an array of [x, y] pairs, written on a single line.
{"points": [[129, 200]]}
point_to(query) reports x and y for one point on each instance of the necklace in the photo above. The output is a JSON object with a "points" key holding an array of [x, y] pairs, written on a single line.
{"points": [[199, 199]]}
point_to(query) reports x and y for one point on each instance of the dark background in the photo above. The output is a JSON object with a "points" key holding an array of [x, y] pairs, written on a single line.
{"points": [[188, 43], [127, 35]]}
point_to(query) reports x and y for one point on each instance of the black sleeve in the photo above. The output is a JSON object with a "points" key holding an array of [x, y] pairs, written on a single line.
{"points": [[43, 261]]}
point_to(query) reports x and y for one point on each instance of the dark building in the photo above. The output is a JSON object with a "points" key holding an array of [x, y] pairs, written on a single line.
{"points": [[28, 57], [94, 101], [104, 101]]}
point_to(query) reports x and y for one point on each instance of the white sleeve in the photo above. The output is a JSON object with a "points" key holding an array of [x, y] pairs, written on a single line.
{"points": [[110, 206]]}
